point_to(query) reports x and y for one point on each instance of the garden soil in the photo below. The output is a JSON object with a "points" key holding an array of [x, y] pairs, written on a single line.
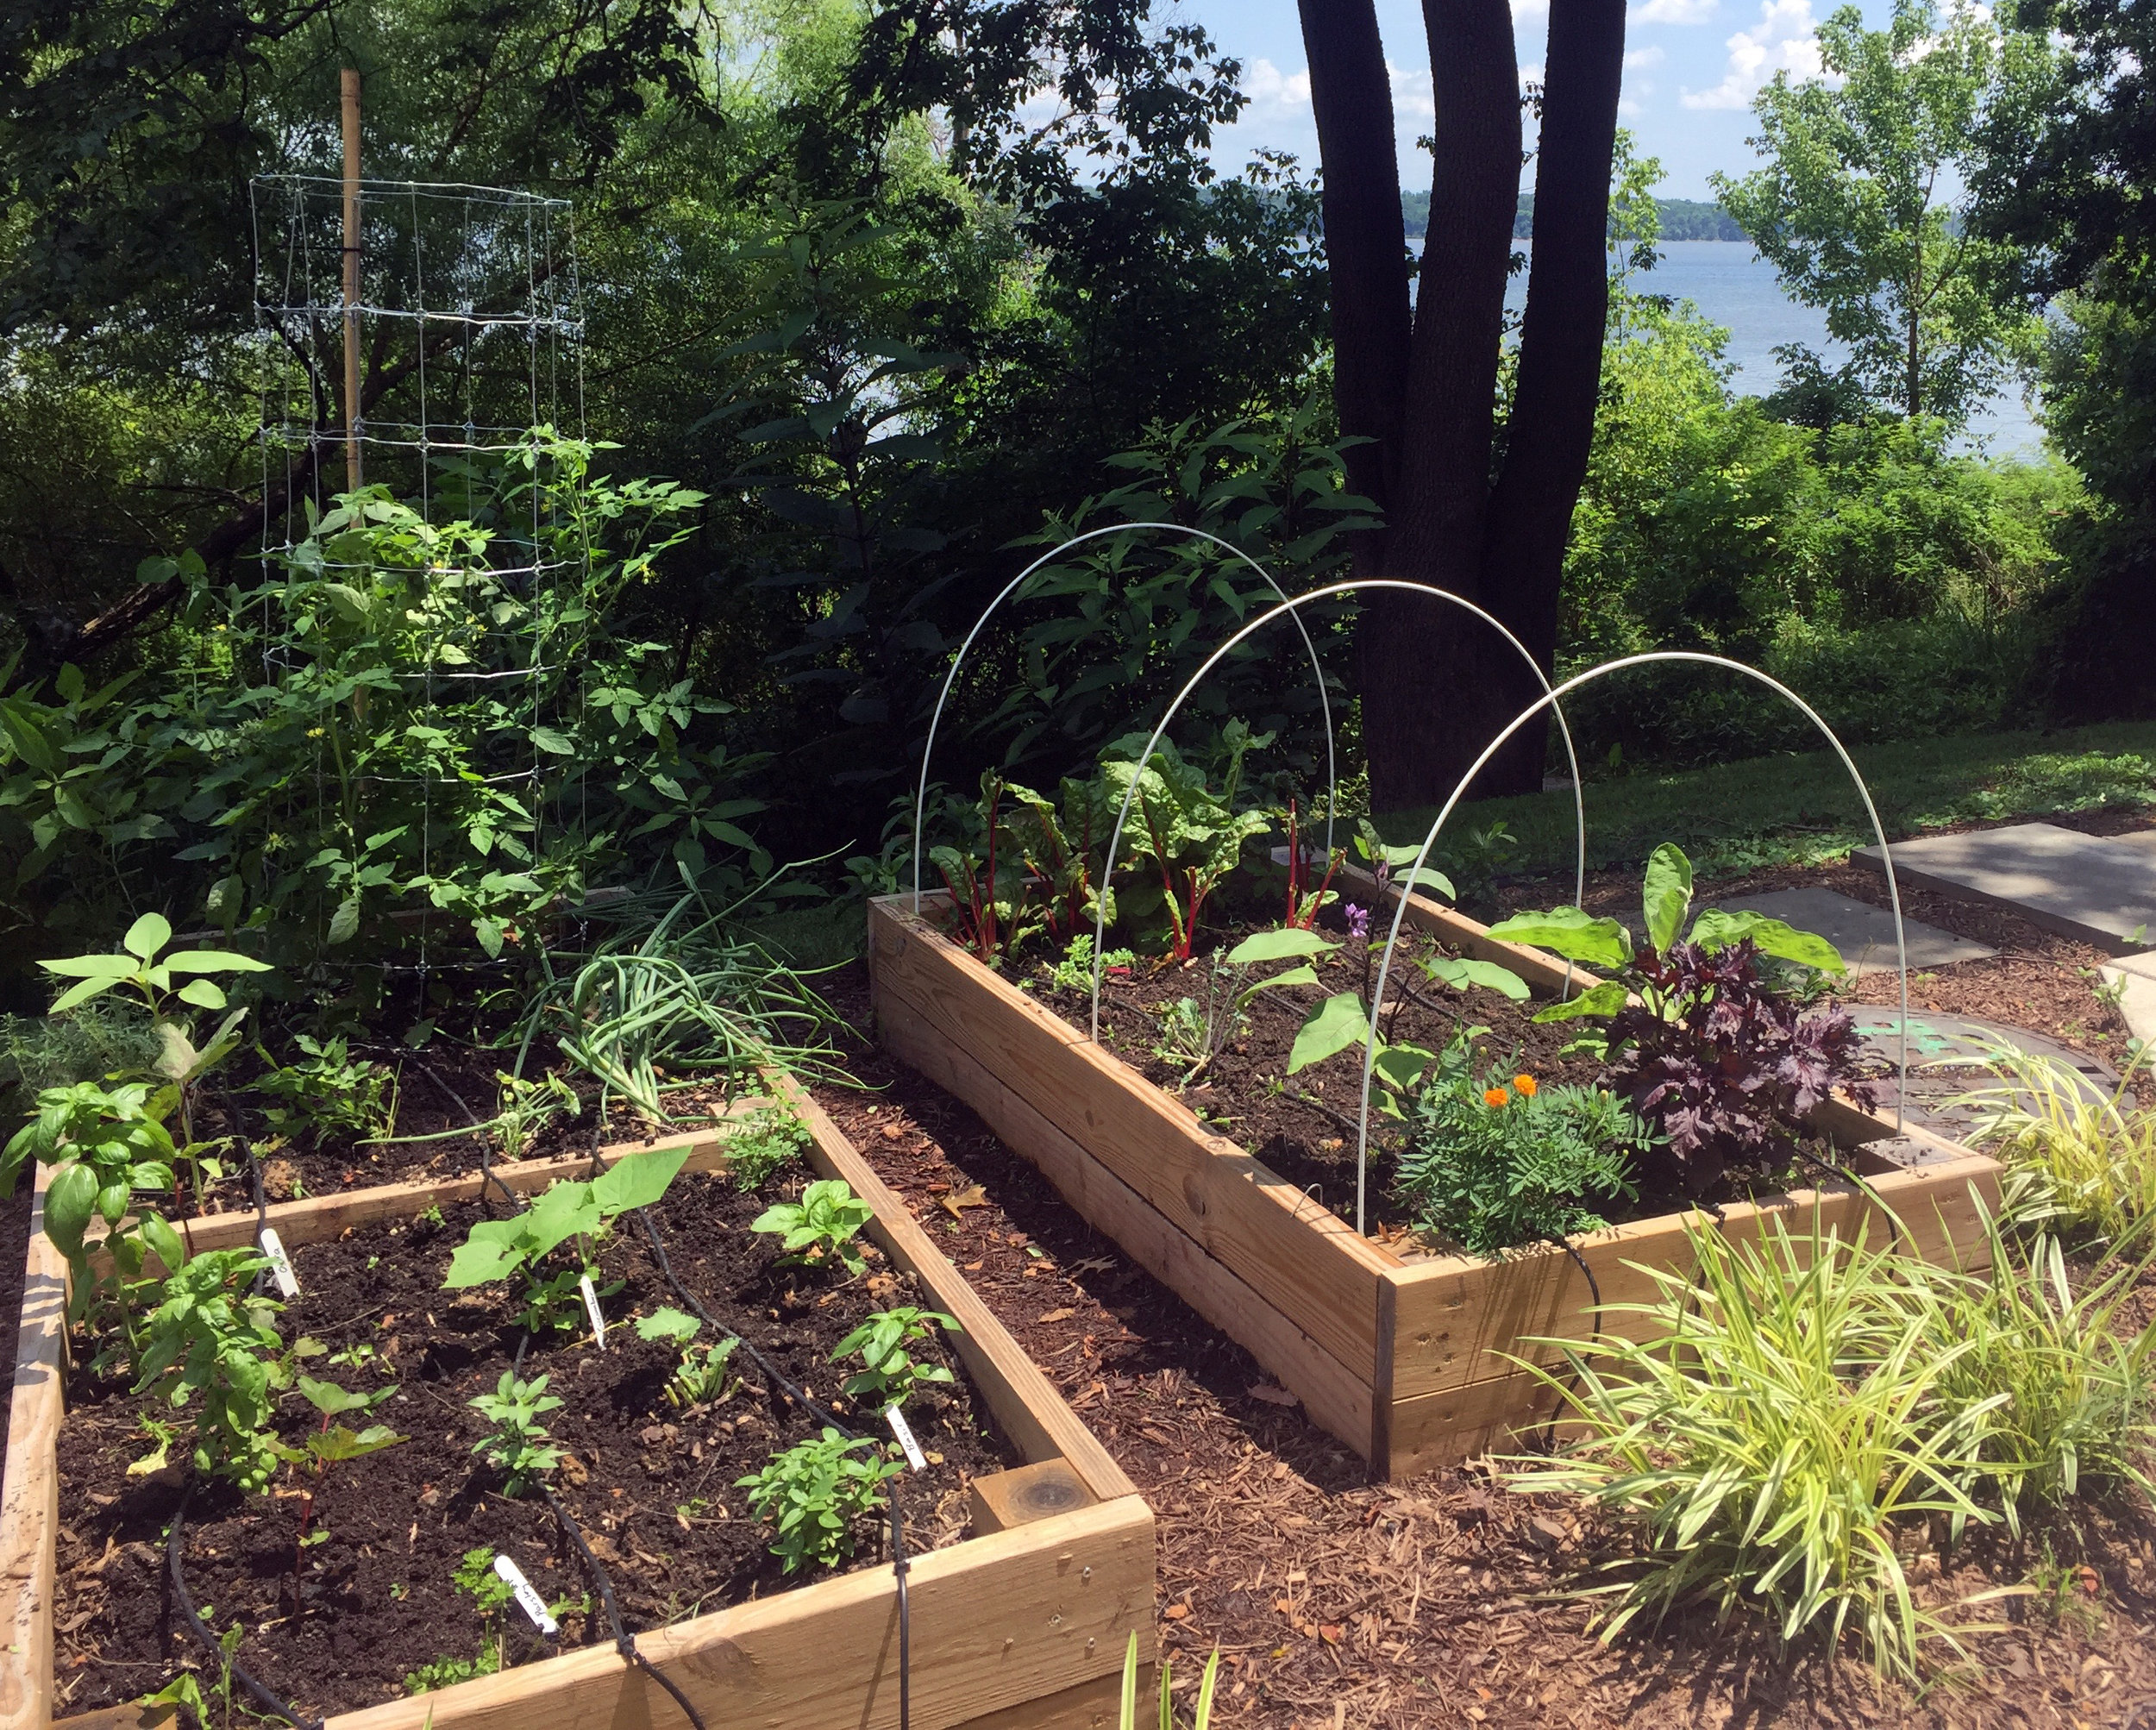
{"points": [[652, 1486], [1339, 1605], [14, 1230]]}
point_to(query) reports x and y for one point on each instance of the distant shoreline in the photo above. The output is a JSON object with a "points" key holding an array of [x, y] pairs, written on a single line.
{"points": [[1683, 219]]}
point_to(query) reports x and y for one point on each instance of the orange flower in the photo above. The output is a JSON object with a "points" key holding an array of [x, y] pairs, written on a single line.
{"points": [[1527, 1084], [1496, 1096]]}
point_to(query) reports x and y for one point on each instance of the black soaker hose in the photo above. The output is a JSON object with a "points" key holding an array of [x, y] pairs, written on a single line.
{"points": [[282, 1709]]}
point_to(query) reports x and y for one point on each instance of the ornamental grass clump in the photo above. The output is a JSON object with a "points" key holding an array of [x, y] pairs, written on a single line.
{"points": [[1799, 1417], [1778, 1435], [2078, 1160]]}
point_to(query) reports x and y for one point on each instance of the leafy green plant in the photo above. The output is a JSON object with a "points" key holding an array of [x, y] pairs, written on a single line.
{"points": [[813, 1492], [1201, 1718], [1778, 1433], [1192, 1035], [1500, 1160], [1192, 836], [769, 1141], [1698, 1041], [475, 1578], [143, 967], [569, 1211], [323, 1091], [210, 1335], [820, 1228], [889, 1375], [518, 1446], [186, 1689], [107, 1145], [703, 1377]]}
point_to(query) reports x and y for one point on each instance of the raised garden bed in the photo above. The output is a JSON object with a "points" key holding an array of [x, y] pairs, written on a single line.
{"points": [[1399, 1358], [1023, 1622]]}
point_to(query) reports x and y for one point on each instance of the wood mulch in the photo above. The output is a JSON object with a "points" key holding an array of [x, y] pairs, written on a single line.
{"points": [[1339, 1605]]}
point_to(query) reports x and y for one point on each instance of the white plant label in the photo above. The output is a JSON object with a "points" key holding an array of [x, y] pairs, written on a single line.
{"points": [[528, 1601], [281, 1263], [591, 1309], [904, 1432]]}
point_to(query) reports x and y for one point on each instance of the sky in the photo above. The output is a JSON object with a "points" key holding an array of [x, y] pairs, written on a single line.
{"points": [[1691, 68]]}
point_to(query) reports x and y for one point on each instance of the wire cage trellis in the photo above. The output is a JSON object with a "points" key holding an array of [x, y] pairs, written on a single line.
{"points": [[467, 327]]}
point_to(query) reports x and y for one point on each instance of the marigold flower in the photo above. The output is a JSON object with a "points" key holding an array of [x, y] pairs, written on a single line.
{"points": [[1496, 1096], [1527, 1085]]}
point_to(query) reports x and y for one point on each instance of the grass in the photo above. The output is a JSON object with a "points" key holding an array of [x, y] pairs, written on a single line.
{"points": [[1802, 809], [2077, 1160]]}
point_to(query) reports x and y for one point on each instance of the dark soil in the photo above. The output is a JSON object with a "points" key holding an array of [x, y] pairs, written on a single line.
{"points": [[1446, 1600], [651, 1486], [1304, 1126], [440, 1092]]}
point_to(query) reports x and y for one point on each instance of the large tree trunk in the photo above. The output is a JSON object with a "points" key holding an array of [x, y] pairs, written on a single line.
{"points": [[1552, 426], [1365, 248], [1420, 660]]}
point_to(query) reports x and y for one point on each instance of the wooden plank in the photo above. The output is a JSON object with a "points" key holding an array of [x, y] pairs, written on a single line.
{"points": [[1335, 1399], [1497, 1414], [1024, 1401], [1305, 1262], [132, 1714], [29, 1501], [1454, 1313], [1095, 1705], [997, 1622]]}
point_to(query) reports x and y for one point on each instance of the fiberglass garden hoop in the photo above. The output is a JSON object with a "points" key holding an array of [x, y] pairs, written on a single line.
{"points": [[1549, 699], [920, 796]]}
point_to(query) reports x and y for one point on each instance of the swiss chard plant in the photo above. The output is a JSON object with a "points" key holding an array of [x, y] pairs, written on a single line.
{"points": [[1185, 838], [573, 1213], [1725, 1066]]}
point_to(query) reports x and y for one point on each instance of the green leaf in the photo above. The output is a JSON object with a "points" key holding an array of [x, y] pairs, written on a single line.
{"points": [[344, 923], [1279, 946], [166, 1244], [667, 1324], [1569, 932], [563, 1212], [1400, 1067], [1332, 1026], [547, 739], [1715, 929], [1426, 877], [337, 1443], [69, 1203], [328, 1397], [637, 1180], [1606, 998], [1665, 894], [109, 968], [346, 602], [203, 994], [213, 960], [1305, 974], [81, 993], [147, 934], [1462, 971], [489, 1253]]}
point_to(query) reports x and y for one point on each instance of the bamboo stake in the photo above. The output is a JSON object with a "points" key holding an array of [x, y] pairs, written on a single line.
{"points": [[351, 279]]}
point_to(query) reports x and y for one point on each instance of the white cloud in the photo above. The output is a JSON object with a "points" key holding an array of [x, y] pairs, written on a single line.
{"points": [[1529, 8], [1531, 75], [1645, 57], [1275, 94], [1414, 106], [1677, 11], [1782, 42]]}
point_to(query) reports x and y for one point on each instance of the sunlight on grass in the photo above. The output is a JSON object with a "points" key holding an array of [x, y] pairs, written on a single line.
{"points": [[1802, 810]]}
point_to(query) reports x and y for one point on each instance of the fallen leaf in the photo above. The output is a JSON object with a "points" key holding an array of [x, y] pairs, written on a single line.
{"points": [[1274, 1396], [1330, 1632], [894, 1132], [973, 1195], [1175, 1613], [573, 1469], [1059, 1315]]}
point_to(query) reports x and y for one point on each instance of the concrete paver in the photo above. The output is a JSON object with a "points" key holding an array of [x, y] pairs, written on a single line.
{"points": [[1863, 933], [2099, 890]]}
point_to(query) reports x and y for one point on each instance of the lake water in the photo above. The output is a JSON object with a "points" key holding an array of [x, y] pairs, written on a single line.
{"points": [[1735, 288]]}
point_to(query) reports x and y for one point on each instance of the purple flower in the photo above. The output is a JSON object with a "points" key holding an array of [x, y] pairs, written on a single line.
{"points": [[1359, 923]]}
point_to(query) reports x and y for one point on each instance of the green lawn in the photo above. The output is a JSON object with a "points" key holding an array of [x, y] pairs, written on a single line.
{"points": [[1802, 809]]}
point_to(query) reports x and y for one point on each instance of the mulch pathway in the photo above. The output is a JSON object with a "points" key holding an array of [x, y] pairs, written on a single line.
{"points": [[1341, 1605]]}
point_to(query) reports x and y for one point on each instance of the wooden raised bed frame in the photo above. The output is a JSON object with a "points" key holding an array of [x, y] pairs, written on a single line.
{"points": [[1022, 1626], [1398, 1359]]}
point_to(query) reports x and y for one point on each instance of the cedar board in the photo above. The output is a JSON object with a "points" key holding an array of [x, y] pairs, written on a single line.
{"points": [[1408, 1362], [1020, 1629]]}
